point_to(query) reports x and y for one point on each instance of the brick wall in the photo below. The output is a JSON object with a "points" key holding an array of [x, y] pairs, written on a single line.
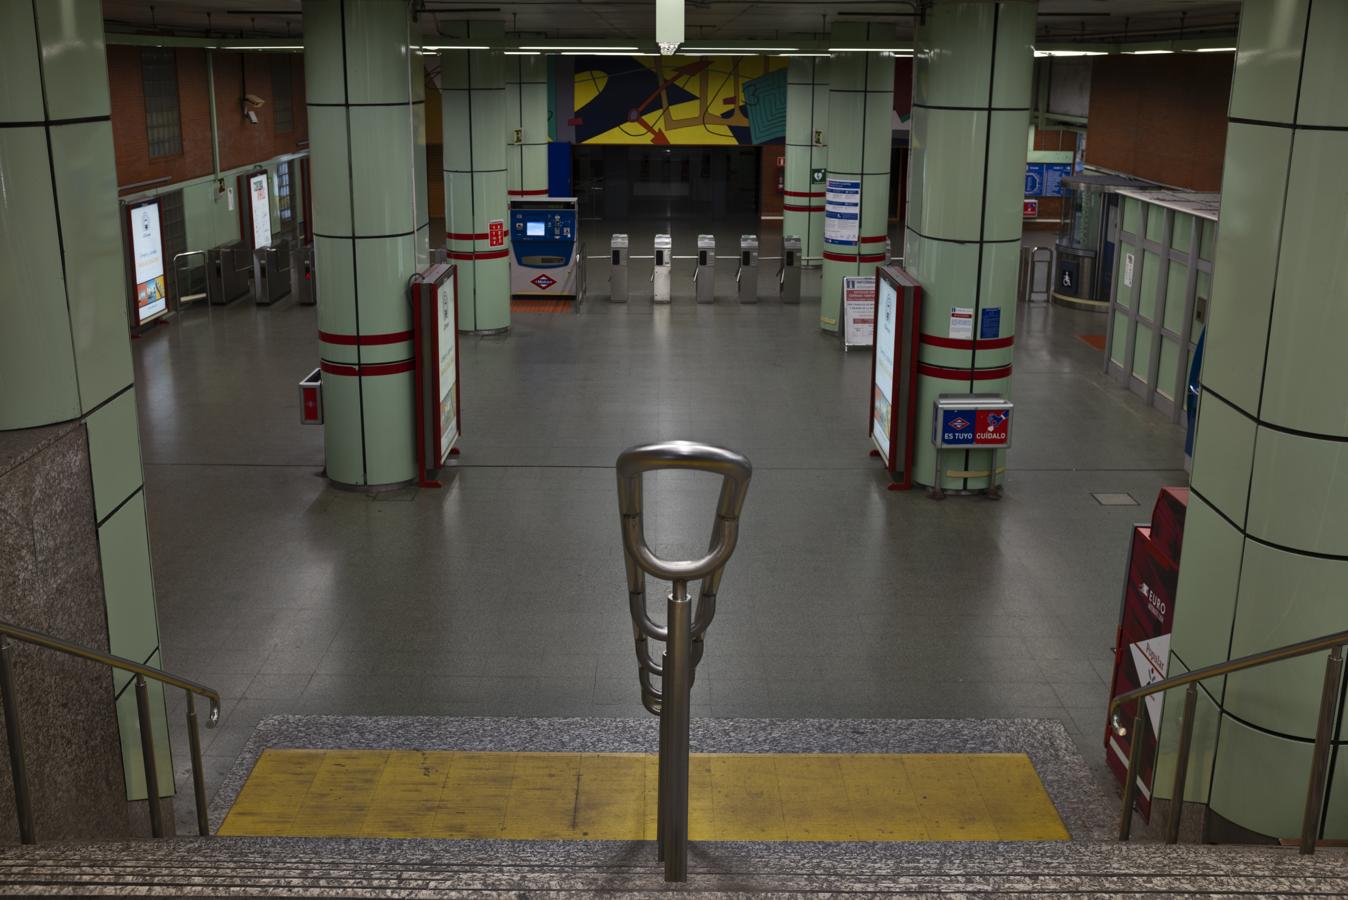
{"points": [[241, 143]]}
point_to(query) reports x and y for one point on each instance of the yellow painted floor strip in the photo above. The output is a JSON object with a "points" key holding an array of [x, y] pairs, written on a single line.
{"points": [[612, 796]]}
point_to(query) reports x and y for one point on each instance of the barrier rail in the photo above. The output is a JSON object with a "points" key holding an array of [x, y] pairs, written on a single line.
{"points": [[685, 629]]}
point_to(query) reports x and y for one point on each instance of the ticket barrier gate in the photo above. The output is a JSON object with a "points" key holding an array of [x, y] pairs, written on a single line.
{"points": [[663, 266], [704, 276], [271, 272], [684, 631], [747, 276], [303, 283], [227, 270], [617, 273], [788, 276]]}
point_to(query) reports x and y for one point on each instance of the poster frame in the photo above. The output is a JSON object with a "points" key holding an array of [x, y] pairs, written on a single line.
{"points": [[906, 348], [128, 226], [425, 287]]}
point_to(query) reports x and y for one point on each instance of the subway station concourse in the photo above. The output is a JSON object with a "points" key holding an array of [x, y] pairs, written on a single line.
{"points": [[730, 447]]}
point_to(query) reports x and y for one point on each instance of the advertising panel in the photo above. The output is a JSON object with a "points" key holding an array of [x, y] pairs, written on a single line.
{"points": [[261, 210], [886, 346], [1142, 654], [147, 251], [858, 311], [446, 329]]}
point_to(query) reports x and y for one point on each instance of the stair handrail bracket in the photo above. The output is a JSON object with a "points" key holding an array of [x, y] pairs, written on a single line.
{"points": [[9, 633], [1324, 726], [685, 622]]}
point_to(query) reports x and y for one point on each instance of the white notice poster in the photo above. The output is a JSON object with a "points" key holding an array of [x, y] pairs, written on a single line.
{"points": [[842, 211], [446, 330], [1127, 270], [962, 323], [858, 310], [147, 249], [886, 346], [261, 207]]}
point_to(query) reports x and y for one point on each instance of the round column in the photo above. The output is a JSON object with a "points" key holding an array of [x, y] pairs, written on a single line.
{"points": [[526, 99], [806, 153], [860, 123], [371, 225], [1266, 533], [972, 76], [472, 92]]}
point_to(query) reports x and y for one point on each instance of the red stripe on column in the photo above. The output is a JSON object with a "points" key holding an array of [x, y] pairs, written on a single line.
{"points": [[963, 374], [465, 236], [791, 208], [803, 193], [874, 240], [480, 254], [364, 340], [865, 257], [542, 193], [932, 340], [366, 371]]}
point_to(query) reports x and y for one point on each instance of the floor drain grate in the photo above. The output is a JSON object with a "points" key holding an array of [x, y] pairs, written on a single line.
{"points": [[1105, 498]]}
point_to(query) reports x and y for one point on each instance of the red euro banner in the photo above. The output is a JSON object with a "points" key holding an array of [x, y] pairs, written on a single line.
{"points": [[1142, 648]]}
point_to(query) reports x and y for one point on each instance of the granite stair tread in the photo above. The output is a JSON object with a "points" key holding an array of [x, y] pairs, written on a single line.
{"points": [[298, 867]]}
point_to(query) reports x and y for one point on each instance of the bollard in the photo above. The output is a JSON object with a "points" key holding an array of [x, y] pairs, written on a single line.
{"points": [[617, 273], [664, 262], [704, 277], [789, 274], [747, 277], [686, 624]]}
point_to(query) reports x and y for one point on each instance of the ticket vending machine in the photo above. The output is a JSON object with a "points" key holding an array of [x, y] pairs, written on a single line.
{"points": [[544, 259]]}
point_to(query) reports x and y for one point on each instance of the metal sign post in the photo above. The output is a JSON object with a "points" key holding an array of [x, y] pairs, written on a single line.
{"points": [[685, 626]]}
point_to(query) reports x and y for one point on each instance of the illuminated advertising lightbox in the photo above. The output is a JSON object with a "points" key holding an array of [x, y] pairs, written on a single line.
{"points": [[261, 208], [147, 250], [886, 341], [446, 326]]}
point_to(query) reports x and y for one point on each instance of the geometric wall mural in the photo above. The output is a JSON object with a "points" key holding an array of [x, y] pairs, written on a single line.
{"points": [[680, 100]]}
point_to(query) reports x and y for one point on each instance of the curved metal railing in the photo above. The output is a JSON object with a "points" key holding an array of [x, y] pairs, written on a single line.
{"points": [[685, 628], [13, 729], [1315, 792]]}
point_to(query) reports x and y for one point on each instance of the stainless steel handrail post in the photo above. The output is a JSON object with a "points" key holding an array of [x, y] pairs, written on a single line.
{"points": [[198, 777], [23, 800], [147, 756], [1134, 757], [1315, 792], [675, 687], [1181, 764]]}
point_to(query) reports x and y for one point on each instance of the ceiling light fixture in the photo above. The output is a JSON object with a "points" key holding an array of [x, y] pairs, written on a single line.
{"points": [[456, 47], [1215, 50], [801, 54], [669, 25], [564, 48], [870, 50], [520, 52], [739, 49], [1147, 52], [605, 53]]}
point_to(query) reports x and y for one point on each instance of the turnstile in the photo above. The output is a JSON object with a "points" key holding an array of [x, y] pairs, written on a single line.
{"points": [[617, 273], [660, 273], [227, 270], [704, 277], [302, 282], [271, 272], [789, 280], [747, 277]]}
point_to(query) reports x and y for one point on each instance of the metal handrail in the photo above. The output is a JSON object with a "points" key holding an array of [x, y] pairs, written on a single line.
{"points": [[684, 628], [1315, 792], [177, 288], [14, 732]]}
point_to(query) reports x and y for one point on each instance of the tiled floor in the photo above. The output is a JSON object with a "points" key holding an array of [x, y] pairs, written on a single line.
{"points": [[503, 594]]}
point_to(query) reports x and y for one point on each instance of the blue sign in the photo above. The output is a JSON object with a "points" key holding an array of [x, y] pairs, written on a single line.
{"points": [[957, 426], [991, 324], [1034, 179], [1054, 173]]}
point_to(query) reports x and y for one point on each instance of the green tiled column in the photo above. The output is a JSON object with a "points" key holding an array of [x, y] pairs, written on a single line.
{"points": [[472, 93], [526, 99], [1266, 538], [65, 350], [860, 123], [366, 108], [806, 151], [971, 111]]}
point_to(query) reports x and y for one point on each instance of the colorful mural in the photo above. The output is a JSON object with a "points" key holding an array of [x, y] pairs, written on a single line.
{"points": [[679, 100]]}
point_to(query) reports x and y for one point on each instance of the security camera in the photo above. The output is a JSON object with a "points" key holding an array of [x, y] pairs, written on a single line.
{"points": [[250, 115], [254, 101]]}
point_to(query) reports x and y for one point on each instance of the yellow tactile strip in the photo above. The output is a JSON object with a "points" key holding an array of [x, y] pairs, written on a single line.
{"points": [[612, 796]]}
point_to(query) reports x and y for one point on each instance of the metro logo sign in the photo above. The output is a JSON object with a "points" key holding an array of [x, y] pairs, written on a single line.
{"points": [[542, 282], [975, 427]]}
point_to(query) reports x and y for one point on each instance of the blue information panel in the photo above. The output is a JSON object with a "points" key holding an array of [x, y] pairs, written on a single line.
{"points": [[991, 324], [1034, 179], [1054, 173]]}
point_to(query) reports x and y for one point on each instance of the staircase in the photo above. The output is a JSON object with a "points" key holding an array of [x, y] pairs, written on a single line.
{"points": [[297, 867]]}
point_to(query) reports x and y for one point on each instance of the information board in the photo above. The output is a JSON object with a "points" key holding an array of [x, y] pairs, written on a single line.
{"points": [[435, 317], [1045, 179], [147, 252], [447, 328], [858, 311], [842, 211], [886, 344], [892, 421], [260, 206]]}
